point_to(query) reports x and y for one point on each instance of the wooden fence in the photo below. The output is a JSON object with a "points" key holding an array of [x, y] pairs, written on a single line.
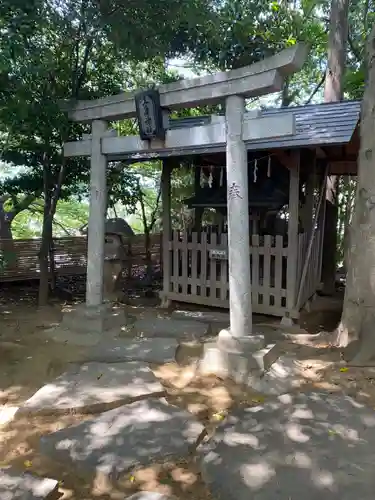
{"points": [[70, 256], [199, 270], [310, 281]]}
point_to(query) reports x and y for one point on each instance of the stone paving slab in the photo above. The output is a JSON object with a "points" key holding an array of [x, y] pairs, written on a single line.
{"points": [[150, 495], [17, 486], [7, 414], [150, 350], [119, 439], [309, 446], [203, 316], [165, 327], [94, 387], [285, 374]]}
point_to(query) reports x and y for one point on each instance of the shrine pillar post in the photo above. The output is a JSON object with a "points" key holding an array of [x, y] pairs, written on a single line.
{"points": [[237, 353], [96, 223], [167, 230], [87, 324], [238, 220]]}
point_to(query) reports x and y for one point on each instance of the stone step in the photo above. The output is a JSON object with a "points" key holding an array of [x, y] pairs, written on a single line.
{"points": [[161, 350], [24, 486], [165, 327], [94, 387], [203, 316], [150, 495], [117, 440], [310, 446]]}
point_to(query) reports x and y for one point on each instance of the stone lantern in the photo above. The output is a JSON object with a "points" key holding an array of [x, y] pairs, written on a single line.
{"points": [[116, 254]]}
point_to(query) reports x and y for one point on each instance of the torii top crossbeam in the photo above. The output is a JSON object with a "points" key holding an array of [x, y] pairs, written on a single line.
{"points": [[261, 78]]}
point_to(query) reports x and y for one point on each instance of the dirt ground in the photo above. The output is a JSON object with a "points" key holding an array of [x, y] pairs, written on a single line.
{"points": [[28, 361]]}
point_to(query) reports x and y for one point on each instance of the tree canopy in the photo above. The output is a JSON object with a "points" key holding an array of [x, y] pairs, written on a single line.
{"points": [[52, 50]]}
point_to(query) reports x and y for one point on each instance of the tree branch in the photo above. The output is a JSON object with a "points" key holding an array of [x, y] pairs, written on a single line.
{"points": [[39, 210], [153, 216], [354, 49], [320, 84], [83, 70], [18, 206]]}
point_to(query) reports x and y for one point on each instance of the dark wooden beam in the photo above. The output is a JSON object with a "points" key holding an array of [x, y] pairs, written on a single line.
{"points": [[343, 167], [287, 160]]}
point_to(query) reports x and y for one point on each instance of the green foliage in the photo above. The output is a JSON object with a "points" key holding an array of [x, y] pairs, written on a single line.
{"points": [[144, 29], [361, 20], [70, 216], [67, 55], [51, 51]]}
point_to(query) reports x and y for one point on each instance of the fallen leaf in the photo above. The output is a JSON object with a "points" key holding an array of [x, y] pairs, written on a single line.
{"points": [[27, 463], [218, 416], [258, 400], [344, 369]]}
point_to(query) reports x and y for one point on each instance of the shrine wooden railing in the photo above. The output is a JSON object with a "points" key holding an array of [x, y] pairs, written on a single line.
{"points": [[69, 254], [199, 270]]}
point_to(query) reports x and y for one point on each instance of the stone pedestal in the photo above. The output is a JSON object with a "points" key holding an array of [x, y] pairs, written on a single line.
{"points": [[87, 325], [111, 281], [241, 359]]}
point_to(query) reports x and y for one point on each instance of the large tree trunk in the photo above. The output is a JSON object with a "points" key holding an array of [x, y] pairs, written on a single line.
{"points": [[333, 91], [358, 318]]}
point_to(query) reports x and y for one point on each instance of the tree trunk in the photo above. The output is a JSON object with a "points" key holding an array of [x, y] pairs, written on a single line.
{"points": [[44, 253], [7, 246], [342, 207], [333, 91], [349, 205], [7, 249], [358, 318]]}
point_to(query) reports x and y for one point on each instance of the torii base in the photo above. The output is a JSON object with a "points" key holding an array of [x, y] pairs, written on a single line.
{"points": [[83, 325], [242, 360]]}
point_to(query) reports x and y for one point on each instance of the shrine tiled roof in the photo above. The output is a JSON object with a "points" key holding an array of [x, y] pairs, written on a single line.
{"points": [[316, 124], [320, 125]]}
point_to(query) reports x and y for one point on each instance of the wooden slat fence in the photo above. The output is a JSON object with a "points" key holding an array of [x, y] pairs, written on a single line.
{"points": [[70, 256], [311, 280], [198, 276]]}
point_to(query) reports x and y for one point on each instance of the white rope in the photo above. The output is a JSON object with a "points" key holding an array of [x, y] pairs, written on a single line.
{"points": [[201, 178], [210, 179], [255, 172]]}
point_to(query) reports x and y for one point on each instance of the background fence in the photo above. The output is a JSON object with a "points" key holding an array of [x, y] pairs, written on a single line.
{"points": [[69, 255]]}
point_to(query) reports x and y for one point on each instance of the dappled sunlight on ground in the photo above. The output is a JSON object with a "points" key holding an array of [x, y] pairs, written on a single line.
{"points": [[28, 361]]}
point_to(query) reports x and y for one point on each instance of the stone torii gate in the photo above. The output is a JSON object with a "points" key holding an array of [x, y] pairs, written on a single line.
{"points": [[104, 145]]}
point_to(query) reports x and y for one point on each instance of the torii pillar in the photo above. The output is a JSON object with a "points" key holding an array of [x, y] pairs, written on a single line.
{"points": [[238, 221], [238, 353], [85, 324]]}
